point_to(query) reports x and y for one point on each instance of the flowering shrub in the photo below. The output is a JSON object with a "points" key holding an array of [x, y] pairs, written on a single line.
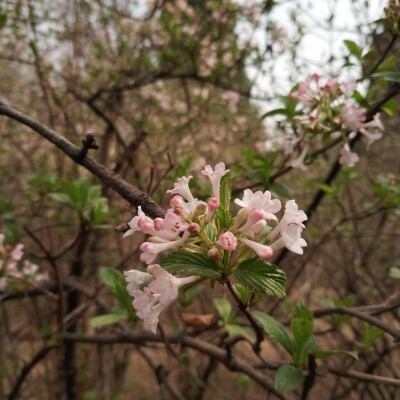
{"points": [[329, 110], [211, 243]]}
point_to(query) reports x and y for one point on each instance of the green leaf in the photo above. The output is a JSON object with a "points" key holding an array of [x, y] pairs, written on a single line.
{"points": [[353, 49], [261, 277], [242, 292], [277, 111], [223, 218], [224, 309], [281, 190], [234, 330], [370, 334], [189, 295], [302, 327], [225, 193], [275, 330], [63, 198], [115, 281], [209, 231], [388, 75], [327, 353], [390, 107], [191, 264], [288, 378], [106, 319]]}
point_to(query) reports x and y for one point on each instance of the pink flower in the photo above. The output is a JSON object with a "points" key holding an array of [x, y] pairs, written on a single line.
{"points": [[256, 214], [347, 157], [215, 176], [289, 145], [348, 88], [373, 130], [353, 117], [212, 205], [18, 252], [182, 188], [170, 226], [133, 223], [306, 94], [135, 278], [227, 241], [264, 252], [166, 285], [151, 250]]}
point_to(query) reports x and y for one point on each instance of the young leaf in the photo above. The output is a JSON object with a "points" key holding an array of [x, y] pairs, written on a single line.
{"points": [[242, 292], [191, 264], [261, 277], [388, 75], [353, 49], [275, 330], [288, 378], [106, 319], [234, 330], [224, 309], [281, 190], [225, 193], [302, 328]]}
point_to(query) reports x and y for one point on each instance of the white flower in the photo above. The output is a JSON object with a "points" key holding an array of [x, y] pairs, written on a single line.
{"points": [[373, 130], [133, 223], [299, 162], [135, 278], [291, 239], [347, 157], [261, 201], [215, 176]]}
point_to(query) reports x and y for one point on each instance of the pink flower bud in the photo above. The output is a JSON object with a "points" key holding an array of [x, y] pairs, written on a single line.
{"points": [[176, 201], [227, 241], [158, 224], [213, 204], [213, 253], [193, 228]]}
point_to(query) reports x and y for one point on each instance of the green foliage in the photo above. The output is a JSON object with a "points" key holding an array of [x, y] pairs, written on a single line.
{"points": [[388, 75], [223, 219], [106, 319], [189, 295], [390, 107], [225, 311], [115, 281], [84, 199], [261, 277], [338, 319], [388, 191], [370, 334], [191, 264], [281, 190], [354, 49], [258, 167], [243, 293], [288, 378], [302, 325], [225, 194]]}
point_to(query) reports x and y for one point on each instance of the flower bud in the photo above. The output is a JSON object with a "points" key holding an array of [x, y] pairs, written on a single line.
{"points": [[158, 224], [241, 216], [227, 241], [193, 228], [213, 253], [200, 209]]}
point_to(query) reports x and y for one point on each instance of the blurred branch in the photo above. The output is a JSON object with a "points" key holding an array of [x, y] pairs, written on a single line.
{"points": [[134, 196], [361, 376]]}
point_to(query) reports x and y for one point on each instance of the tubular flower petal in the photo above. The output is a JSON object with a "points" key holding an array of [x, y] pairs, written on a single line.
{"points": [[151, 250], [182, 188], [291, 239], [299, 162], [166, 285], [260, 200], [133, 223], [347, 157], [264, 252], [255, 215], [215, 176], [227, 241], [135, 278]]}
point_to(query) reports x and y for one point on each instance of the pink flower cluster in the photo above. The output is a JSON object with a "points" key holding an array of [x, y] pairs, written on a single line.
{"points": [[10, 258], [184, 228], [329, 110]]}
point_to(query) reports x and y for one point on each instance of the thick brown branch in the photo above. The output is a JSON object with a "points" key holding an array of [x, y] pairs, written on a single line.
{"points": [[109, 178]]}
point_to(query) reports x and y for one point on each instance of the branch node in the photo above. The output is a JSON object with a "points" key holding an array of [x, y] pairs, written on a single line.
{"points": [[89, 142]]}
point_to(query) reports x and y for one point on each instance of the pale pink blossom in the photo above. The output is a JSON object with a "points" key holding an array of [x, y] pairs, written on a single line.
{"points": [[307, 92], [372, 130], [227, 241], [151, 250], [256, 214], [264, 252], [289, 145], [133, 223], [299, 162], [347, 157], [348, 88], [151, 322], [212, 205], [353, 117], [215, 176], [18, 252], [166, 285], [182, 188], [148, 308], [170, 227], [135, 278], [262, 201]]}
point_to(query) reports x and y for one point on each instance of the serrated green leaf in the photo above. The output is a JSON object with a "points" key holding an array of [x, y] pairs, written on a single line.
{"points": [[224, 309], [288, 378], [223, 219], [275, 330], [281, 190], [353, 49], [327, 353], [388, 75], [261, 277], [209, 231], [106, 319], [191, 264]]}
